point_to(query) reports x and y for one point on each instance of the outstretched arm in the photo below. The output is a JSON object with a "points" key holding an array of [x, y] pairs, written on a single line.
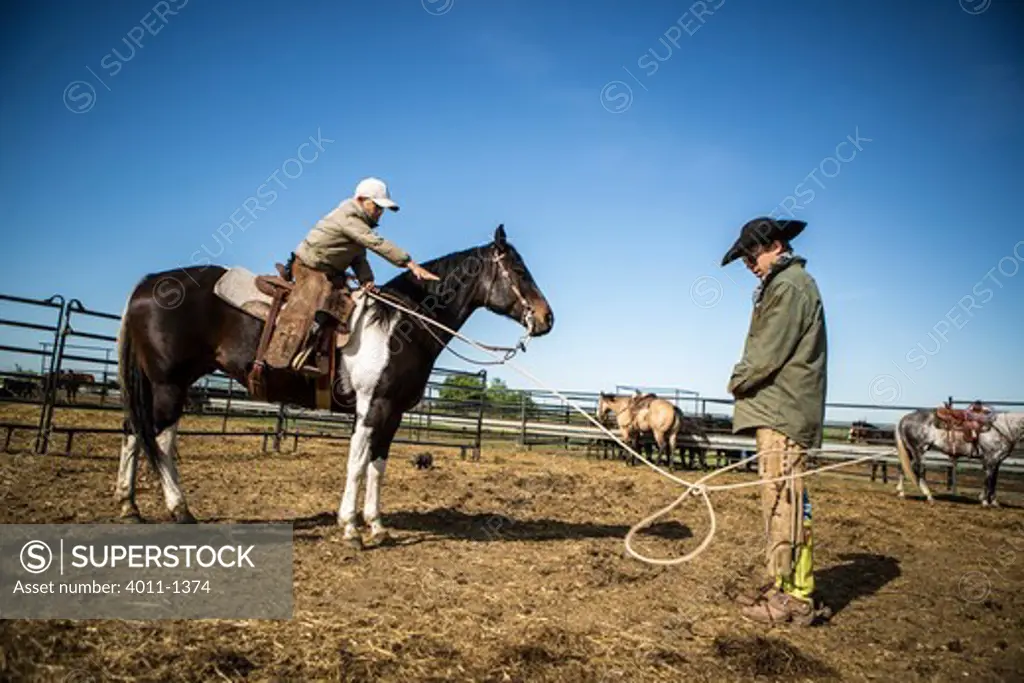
{"points": [[375, 243], [386, 249]]}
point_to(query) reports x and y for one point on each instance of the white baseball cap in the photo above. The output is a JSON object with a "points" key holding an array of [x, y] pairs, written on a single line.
{"points": [[375, 189]]}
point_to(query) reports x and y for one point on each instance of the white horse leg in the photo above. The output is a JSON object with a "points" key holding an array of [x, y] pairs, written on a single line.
{"points": [[922, 483], [167, 454], [899, 487], [125, 490], [358, 458], [371, 507]]}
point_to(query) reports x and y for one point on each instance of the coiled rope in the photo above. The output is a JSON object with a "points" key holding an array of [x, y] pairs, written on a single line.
{"points": [[692, 488]]}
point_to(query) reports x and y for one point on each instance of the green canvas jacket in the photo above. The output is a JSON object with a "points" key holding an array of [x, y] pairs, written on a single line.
{"points": [[781, 380], [340, 240]]}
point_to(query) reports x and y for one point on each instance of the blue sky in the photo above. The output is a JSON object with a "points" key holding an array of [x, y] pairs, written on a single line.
{"points": [[622, 196]]}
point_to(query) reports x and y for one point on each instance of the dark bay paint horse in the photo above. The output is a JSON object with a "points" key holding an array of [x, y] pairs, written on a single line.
{"points": [[920, 431], [382, 370]]}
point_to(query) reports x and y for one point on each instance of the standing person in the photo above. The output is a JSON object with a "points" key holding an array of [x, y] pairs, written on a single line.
{"points": [[779, 387], [338, 241]]}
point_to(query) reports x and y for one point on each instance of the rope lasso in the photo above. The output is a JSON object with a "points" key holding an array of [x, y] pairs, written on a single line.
{"points": [[698, 487]]}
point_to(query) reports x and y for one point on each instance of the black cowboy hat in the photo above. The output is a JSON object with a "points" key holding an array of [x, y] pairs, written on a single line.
{"points": [[762, 231]]}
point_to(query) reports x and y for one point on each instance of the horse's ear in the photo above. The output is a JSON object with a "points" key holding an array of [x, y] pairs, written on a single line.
{"points": [[499, 238]]}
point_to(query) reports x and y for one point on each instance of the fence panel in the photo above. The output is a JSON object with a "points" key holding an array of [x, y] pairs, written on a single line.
{"points": [[27, 332]]}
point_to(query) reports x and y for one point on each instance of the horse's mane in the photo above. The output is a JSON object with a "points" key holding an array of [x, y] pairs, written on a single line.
{"points": [[412, 292]]}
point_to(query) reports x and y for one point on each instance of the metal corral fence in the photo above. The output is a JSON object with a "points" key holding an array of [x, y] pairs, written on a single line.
{"points": [[74, 349], [542, 419]]}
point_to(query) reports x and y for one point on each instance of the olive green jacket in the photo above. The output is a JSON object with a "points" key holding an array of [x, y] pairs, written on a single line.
{"points": [[781, 380], [340, 240]]}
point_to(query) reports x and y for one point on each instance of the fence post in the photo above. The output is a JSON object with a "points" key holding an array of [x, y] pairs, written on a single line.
{"points": [[522, 418], [279, 429], [50, 380], [480, 415], [227, 405], [567, 415], [106, 372], [430, 405]]}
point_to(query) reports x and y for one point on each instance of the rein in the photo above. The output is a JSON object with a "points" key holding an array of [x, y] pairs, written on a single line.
{"points": [[426, 321]]}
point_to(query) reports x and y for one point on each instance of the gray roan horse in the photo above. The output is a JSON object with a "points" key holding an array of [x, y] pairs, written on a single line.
{"points": [[382, 370], [920, 431]]}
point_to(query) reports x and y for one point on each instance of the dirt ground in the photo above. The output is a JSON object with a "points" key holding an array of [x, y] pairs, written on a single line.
{"points": [[512, 569]]}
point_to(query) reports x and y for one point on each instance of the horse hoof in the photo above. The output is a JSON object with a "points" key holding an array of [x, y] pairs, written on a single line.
{"points": [[382, 537], [133, 518], [356, 542], [182, 515]]}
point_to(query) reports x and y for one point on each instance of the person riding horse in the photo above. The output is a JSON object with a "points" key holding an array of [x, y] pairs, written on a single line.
{"points": [[338, 241]]}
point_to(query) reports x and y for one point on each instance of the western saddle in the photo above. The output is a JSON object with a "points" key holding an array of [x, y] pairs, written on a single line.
{"points": [[303, 337], [970, 422], [638, 402]]}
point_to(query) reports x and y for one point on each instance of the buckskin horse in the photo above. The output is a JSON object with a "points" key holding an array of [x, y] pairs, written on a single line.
{"points": [[921, 430], [382, 369], [644, 413]]}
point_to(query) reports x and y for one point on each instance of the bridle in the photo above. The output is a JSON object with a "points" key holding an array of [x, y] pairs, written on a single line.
{"points": [[426, 321], [528, 313]]}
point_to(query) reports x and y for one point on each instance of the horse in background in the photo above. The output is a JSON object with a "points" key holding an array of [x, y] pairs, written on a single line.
{"points": [[382, 369], [70, 381], [646, 413], [958, 434]]}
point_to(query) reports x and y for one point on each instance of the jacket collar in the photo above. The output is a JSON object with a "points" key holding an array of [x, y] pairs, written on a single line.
{"points": [[356, 210], [785, 261]]}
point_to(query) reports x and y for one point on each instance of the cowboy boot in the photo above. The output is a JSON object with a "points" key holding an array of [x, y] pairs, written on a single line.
{"points": [[311, 360], [781, 608]]}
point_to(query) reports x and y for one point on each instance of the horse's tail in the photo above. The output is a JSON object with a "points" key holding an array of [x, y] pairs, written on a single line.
{"points": [[136, 394], [901, 448], [691, 427]]}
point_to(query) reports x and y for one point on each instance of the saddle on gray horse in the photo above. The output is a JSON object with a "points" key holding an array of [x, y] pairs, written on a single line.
{"points": [[970, 422]]}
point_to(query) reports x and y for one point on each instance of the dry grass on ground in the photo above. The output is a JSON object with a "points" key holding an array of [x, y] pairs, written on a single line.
{"points": [[512, 569]]}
